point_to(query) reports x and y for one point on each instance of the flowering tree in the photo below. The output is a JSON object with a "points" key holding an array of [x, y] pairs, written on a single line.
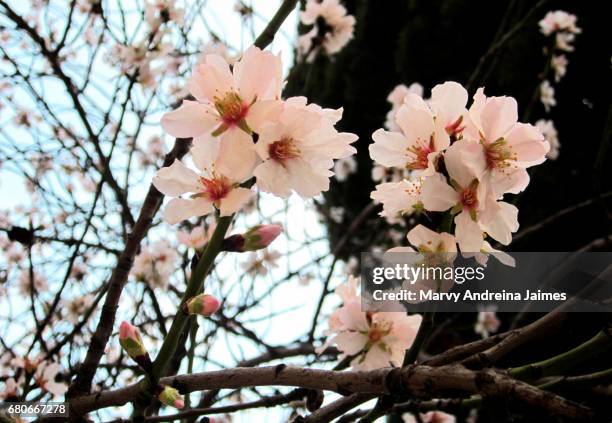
{"points": [[236, 299]]}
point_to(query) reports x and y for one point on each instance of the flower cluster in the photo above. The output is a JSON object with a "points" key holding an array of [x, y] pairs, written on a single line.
{"points": [[331, 28], [371, 339], [562, 26], [461, 161], [242, 129], [44, 373]]}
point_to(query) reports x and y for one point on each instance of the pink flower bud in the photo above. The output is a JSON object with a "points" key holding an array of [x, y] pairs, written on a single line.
{"points": [[172, 397], [254, 239], [203, 304], [131, 341]]}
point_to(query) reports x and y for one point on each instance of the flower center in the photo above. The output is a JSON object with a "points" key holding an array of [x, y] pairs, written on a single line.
{"points": [[498, 154], [216, 188], [282, 150], [378, 330], [454, 129], [231, 108], [418, 154]]}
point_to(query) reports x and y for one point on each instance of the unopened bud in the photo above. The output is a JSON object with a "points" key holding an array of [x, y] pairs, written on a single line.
{"points": [[203, 304], [172, 397], [254, 239], [131, 342]]}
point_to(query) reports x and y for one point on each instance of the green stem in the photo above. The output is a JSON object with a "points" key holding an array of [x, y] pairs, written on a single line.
{"points": [[194, 286], [267, 35], [598, 344]]}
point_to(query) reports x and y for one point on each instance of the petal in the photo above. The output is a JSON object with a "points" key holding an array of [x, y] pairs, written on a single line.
{"points": [[350, 343], [176, 179], [436, 194], [237, 156], [263, 112], [503, 182], [273, 178], [498, 116], [449, 101], [502, 222], [465, 161], [234, 201], [468, 233], [417, 125], [190, 120], [179, 209], [389, 148], [204, 152], [211, 79], [306, 180], [258, 75], [527, 143]]}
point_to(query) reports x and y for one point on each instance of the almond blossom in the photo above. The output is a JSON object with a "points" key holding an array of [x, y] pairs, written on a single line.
{"points": [[155, 264], [331, 29], [374, 339], [227, 99], [547, 95], [398, 198], [396, 98], [216, 185], [486, 323], [508, 147], [429, 417], [158, 12], [425, 129], [559, 21], [298, 150], [45, 376], [197, 237]]}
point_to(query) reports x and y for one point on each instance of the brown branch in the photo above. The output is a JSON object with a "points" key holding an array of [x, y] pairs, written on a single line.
{"points": [[414, 380]]}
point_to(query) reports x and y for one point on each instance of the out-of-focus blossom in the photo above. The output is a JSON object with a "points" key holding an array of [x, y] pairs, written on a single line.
{"points": [[32, 283], [396, 97], [45, 377], [547, 128], [197, 237], [261, 262], [559, 21], [77, 307], [344, 167], [158, 12], [486, 323], [155, 264], [547, 95], [429, 417], [332, 28], [559, 65]]}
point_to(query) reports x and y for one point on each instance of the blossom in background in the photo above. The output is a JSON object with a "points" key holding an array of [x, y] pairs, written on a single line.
{"points": [[374, 339], [429, 417], [332, 28], [32, 283], [559, 65], [547, 128], [486, 323], [261, 262], [345, 167], [298, 149], [158, 12], [559, 21], [217, 184], [227, 99], [197, 237], [45, 377], [396, 98], [398, 198], [547, 95], [155, 264], [76, 308], [153, 152]]}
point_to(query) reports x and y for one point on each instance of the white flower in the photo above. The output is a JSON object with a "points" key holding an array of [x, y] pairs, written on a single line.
{"points": [[429, 417], [298, 150], [375, 339], [547, 95], [398, 198], [158, 12], [218, 183], [197, 237], [45, 376], [76, 308], [547, 128], [261, 262], [35, 280]]}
